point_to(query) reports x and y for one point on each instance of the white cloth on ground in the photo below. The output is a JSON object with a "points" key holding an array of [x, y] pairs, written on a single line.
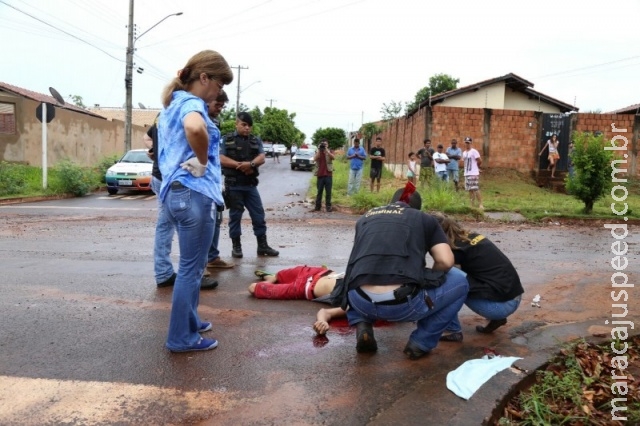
{"points": [[466, 379]]}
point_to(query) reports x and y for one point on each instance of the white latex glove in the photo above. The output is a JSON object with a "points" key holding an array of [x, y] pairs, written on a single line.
{"points": [[193, 166]]}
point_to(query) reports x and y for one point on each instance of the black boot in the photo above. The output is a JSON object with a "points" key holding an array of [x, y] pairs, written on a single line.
{"points": [[365, 341], [264, 249], [492, 326], [236, 251]]}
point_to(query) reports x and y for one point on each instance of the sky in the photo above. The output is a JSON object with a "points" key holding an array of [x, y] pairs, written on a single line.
{"points": [[334, 63]]}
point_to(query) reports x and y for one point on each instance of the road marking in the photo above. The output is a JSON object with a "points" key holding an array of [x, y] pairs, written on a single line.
{"points": [[127, 197], [47, 401], [20, 206]]}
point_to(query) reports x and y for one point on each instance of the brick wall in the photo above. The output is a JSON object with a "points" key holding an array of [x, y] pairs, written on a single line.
{"points": [[505, 138]]}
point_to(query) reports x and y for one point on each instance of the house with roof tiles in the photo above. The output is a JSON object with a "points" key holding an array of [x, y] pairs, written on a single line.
{"points": [[81, 135]]}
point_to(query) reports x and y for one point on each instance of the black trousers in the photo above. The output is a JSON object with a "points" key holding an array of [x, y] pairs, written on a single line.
{"points": [[324, 183]]}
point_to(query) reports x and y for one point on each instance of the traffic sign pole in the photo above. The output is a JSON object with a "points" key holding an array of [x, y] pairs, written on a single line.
{"points": [[44, 145]]}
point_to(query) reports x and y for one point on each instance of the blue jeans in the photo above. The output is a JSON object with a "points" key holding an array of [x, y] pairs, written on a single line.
{"points": [[162, 266], [191, 214], [447, 301], [488, 309], [324, 183], [443, 175], [355, 177], [454, 175], [214, 253], [249, 197]]}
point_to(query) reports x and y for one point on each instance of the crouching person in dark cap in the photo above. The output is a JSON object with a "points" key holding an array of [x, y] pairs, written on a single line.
{"points": [[386, 276], [241, 154]]}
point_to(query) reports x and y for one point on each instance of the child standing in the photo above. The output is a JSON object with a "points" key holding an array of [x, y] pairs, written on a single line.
{"points": [[411, 168]]}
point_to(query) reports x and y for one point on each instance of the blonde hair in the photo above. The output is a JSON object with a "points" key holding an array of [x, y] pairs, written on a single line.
{"points": [[208, 62], [452, 230]]}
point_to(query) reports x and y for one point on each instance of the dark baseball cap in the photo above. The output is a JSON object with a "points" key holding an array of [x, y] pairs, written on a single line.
{"points": [[245, 117], [468, 139]]}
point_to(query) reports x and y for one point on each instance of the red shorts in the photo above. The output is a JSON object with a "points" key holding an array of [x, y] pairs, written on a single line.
{"points": [[293, 283]]}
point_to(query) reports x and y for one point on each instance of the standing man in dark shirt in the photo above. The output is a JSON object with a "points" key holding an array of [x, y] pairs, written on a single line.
{"points": [[425, 154], [163, 268], [213, 258], [241, 154], [386, 275], [324, 174], [377, 160]]}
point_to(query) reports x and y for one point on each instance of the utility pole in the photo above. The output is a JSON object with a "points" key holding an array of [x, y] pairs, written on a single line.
{"points": [[271, 101], [239, 67], [128, 82], [128, 77]]}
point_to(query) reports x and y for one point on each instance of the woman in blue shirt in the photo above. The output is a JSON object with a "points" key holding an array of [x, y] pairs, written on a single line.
{"points": [[188, 144]]}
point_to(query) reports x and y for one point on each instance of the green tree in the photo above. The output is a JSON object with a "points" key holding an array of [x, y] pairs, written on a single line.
{"points": [[336, 137], [391, 110], [438, 83], [78, 101], [278, 126], [592, 175], [369, 130]]}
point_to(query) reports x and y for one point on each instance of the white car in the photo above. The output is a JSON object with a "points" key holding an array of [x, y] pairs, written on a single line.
{"points": [[303, 159], [133, 172]]}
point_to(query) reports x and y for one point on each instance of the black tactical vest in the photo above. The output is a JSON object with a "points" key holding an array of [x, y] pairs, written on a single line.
{"points": [[240, 149]]}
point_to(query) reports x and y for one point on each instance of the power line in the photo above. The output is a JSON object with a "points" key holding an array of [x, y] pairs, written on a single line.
{"points": [[560, 73], [61, 30]]}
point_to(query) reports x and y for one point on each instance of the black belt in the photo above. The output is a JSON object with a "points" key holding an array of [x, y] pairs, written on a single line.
{"points": [[400, 295], [176, 185]]}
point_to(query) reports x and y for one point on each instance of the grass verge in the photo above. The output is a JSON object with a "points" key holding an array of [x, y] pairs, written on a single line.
{"points": [[577, 388], [502, 190]]}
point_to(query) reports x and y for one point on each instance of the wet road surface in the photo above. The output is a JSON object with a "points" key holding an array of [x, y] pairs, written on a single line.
{"points": [[83, 326]]}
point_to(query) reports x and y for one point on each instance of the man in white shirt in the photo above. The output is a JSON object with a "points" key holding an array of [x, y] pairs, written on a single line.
{"points": [[472, 162], [440, 161]]}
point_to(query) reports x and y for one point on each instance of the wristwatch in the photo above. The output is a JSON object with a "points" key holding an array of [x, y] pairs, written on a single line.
{"points": [[252, 164]]}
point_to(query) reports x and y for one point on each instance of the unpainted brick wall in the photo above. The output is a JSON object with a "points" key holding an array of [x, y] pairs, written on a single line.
{"points": [[504, 138]]}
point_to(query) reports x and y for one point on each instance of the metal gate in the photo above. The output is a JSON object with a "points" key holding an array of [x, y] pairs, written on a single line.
{"points": [[559, 124]]}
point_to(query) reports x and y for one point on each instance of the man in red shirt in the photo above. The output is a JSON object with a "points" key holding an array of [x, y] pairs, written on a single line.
{"points": [[324, 173]]}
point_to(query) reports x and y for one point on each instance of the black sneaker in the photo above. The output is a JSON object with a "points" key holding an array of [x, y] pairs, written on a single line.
{"points": [[451, 337], [168, 282], [366, 342], [493, 324], [414, 352], [208, 283]]}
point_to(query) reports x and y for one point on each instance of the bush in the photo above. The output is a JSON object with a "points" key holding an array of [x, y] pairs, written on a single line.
{"points": [[72, 179], [104, 164], [592, 169], [13, 178]]}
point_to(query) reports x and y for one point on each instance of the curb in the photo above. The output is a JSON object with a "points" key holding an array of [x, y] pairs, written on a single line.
{"points": [[20, 200]]}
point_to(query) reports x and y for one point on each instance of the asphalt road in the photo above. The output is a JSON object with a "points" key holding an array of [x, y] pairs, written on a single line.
{"points": [[82, 325]]}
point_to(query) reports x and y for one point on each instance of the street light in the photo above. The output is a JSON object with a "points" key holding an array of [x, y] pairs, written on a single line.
{"points": [[240, 91], [128, 78]]}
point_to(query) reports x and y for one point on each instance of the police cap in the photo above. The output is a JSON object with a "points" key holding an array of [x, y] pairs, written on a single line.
{"points": [[245, 117]]}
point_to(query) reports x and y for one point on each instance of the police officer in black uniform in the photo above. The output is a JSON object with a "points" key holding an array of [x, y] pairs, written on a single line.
{"points": [[241, 153]]}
